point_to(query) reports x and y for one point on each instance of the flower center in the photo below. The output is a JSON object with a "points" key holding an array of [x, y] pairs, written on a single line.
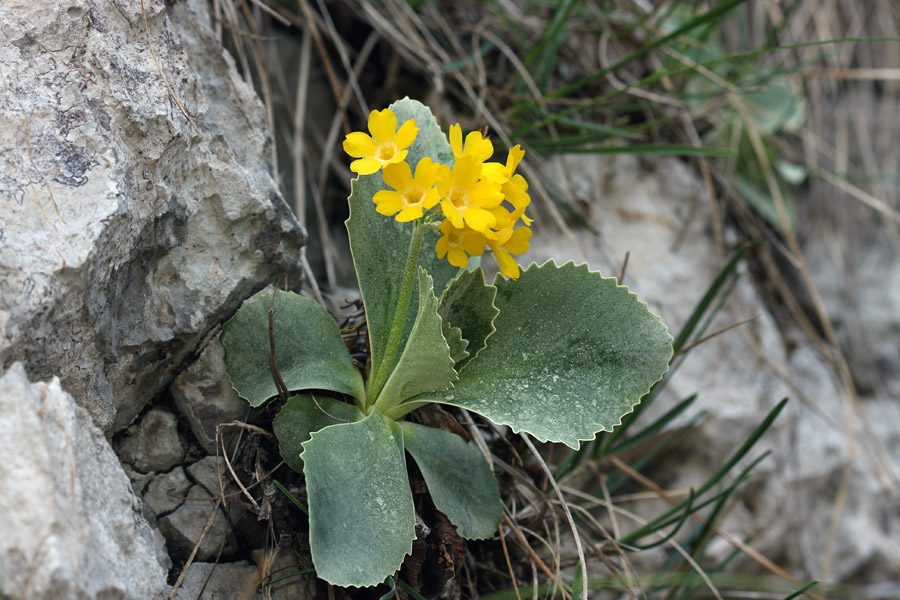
{"points": [[386, 152]]}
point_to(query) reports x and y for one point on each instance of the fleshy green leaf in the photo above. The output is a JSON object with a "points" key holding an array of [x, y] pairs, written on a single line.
{"points": [[572, 354], [361, 515], [468, 303], [308, 348], [458, 477], [379, 244], [302, 415], [425, 365], [458, 345]]}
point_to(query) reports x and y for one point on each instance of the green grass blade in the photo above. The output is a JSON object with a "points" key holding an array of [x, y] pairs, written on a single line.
{"points": [[409, 590], [711, 15], [671, 516], [718, 475], [688, 510], [291, 497], [708, 297], [651, 429], [802, 590], [646, 149], [543, 57]]}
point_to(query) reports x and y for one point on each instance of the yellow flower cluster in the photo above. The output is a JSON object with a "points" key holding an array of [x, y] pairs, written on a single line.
{"points": [[481, 201]]}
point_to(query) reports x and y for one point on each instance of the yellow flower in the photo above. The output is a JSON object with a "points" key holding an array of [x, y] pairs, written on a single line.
{"points": [[476, 145], [516, 243], [413, 195], [466, 199], [514, 186], [386, 145], [458, 244]]}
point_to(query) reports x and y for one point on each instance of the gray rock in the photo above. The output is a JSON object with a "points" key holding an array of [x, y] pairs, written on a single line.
{"points": [[153, 444], [206, 472], [246, 580], [182, 528], [660, 215], [204, 395], [223, 581], [71, 526], [127, 231], [166, 492]]}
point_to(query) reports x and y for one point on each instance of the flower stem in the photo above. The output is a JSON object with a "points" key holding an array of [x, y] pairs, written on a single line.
{"points": [[384, 368]]}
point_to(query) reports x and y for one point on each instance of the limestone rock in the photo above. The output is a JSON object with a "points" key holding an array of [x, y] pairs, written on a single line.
{"points": [[71, 526], [136, 206], [182, 528], [153, 444], [240, 579], [204, 395], [166, 492], [225, 581]]}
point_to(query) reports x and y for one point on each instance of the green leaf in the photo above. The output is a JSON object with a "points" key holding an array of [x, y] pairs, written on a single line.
{"points": [[379, 244], [425, 365], [573, 353], [759, 198], [778, 106], [468, 303], [458, 477], [361, 515], [458, 345], [308, 348], [304, 414]]}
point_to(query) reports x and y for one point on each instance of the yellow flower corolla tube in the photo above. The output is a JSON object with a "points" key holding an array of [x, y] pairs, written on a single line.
{"points": [[476, 145], [411, 196], [466, 198], [387, 144]]}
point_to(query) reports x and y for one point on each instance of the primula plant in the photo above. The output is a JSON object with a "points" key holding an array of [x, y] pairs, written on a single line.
{"points": [[559, 352]]}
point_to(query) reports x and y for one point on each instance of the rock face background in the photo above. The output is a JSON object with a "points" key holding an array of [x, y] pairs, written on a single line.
{"points": [[136, 214], [72, 528], [128, 230]]}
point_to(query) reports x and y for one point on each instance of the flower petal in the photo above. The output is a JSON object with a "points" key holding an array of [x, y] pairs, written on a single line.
{"points": [[456, 143], [443, 244], [452, 213], [431, 198], [466, 171], [495, 172], [382, 125], [515, 156], [457, 257], [407, 134], [388, 202], [427, 173], [410, 213], [479, 219], [515, 195], [359, 145], [479, 147], [519, 242], [398, 176], [365, 166], [507, 263]]}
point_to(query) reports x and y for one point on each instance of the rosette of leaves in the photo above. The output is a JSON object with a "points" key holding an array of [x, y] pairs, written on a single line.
{"points": [[562, 353]]}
